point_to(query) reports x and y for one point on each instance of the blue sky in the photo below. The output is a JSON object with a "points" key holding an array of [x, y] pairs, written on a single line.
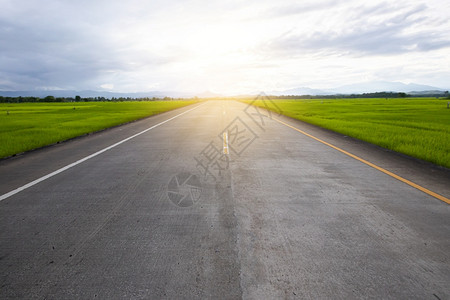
{"points": [[220, 46]]}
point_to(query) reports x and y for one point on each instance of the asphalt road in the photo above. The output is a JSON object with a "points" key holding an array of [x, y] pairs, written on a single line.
{"points": [[167, 214]]}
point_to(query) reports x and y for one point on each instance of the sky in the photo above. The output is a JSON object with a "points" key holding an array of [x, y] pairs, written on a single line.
{"points": [[226, 47]]}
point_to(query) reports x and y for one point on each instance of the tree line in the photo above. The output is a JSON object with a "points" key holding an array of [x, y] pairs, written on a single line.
{"points": [[52, 99], [364, 95]]}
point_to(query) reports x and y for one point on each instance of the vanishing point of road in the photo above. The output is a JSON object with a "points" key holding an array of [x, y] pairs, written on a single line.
{"points": [[221, 200]]}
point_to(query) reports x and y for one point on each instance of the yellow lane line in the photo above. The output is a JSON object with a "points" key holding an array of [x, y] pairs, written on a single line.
{"points": [[425, 190], [225, 143]]}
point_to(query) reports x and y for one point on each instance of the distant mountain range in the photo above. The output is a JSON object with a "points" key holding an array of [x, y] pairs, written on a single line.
{"points": [[358, 88], [366, 87], [105, 94], [83, 94]]}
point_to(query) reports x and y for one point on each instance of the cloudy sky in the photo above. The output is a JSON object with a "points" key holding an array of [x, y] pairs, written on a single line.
{"points": [[221, 46]]}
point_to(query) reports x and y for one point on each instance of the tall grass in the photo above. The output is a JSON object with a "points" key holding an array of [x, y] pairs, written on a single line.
{"points": [[26, 126], [419, 127]]}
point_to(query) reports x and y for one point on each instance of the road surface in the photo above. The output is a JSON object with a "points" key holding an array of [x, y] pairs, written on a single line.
{"points": [[220, 201]]}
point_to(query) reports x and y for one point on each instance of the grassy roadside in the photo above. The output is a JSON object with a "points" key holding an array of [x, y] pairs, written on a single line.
{"points": [[419, 127], [27, 126]]}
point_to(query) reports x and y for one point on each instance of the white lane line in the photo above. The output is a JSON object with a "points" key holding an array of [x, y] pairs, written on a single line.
{"points": [[34, 182], [225, 143]]}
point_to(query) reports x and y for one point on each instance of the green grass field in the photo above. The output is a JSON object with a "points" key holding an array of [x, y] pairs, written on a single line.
{"points": [[419, 127], [32, 125]]}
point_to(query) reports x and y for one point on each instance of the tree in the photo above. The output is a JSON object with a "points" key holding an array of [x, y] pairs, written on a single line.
{"points": [[49, 99], [77, 98]]}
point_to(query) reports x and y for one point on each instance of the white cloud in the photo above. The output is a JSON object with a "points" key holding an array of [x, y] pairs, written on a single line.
{"points": [[233, 46], [107, 86]]}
